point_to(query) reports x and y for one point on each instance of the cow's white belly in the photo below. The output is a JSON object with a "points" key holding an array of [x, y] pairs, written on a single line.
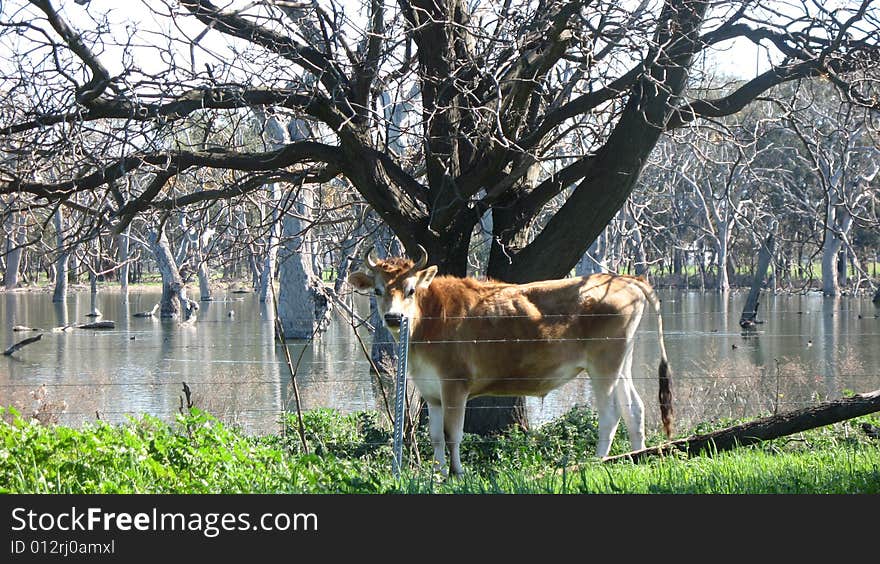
{"points": [[545, 383], [427, 379]]}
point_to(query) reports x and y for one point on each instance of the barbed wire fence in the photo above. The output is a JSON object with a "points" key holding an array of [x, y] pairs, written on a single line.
{"points": [[780, 385]]}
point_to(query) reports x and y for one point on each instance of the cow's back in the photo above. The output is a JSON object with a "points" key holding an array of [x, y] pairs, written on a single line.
{"points": [[507, 339]]}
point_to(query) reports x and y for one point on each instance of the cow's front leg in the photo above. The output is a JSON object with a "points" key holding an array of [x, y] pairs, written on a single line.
{"points": [[454, 403], [438, 440]]}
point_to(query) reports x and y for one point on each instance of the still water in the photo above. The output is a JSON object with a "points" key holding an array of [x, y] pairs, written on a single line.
{"points": [[808, 349]]}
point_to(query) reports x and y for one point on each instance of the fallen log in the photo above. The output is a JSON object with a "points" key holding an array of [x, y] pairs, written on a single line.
{"points": [[764, 429], [22, 343], [98, 325], [150, 313]]}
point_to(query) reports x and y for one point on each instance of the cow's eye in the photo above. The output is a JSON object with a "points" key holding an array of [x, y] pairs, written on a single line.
{"points": [[378, 291], [410, 292]]}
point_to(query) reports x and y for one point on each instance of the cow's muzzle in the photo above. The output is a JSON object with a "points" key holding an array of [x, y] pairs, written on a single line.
{"points": [[393, 319]]}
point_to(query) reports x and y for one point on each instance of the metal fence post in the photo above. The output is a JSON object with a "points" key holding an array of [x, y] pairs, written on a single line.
{"points": [[400, 396]]}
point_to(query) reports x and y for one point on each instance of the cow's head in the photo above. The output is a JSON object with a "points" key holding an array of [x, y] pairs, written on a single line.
{"points": [[395, 282]]}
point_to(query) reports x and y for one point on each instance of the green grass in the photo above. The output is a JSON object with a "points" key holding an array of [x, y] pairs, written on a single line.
{"points": [[351, 454]]}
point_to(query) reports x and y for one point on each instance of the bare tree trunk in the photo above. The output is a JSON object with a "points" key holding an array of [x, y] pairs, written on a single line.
{"points": [[298, 301], [750, 310], [723, 244], [837, 225], [253, 267], [73, 270], [61, 261], [93, 293], [593, 260], [122, 243], [267, 275], [274, 136], [204, 278], [641, 266], [174, 300], [677, 261], [842, 256], [14, 250], [302, 306], [830, 284]]}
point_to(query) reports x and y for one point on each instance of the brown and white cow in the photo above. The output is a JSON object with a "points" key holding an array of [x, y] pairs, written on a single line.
{"points": [[471, 338]]}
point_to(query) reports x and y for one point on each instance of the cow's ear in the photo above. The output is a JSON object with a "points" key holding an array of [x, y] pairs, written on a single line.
{"points": [[426, 276], [361, 280]]}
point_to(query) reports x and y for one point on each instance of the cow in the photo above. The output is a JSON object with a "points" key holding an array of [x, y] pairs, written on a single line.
{"points": [[472, 338]]}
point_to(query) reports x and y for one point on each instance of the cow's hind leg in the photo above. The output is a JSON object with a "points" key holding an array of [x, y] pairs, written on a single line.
{"points": [[630, 404], [602, 383], [438, 439]]}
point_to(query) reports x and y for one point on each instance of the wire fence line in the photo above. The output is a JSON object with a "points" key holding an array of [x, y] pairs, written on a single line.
{"points": [[176, 383], [282, 412], [766, 386], [647, 313], [670, 336]]}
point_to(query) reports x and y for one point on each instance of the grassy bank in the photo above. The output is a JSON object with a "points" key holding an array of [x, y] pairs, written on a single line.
{"points": [[351, 454]]}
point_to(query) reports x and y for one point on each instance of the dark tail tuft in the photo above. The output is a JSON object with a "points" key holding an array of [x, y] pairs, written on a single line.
{"points": [[666, 398]]}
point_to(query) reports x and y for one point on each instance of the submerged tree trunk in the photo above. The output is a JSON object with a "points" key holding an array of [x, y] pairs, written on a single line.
{"points": [[93, 294], [302, 305], [122, 244], [274, 136], [838, 221], [750, 310], [174, 301], [61, 260], [267, 275], [204, 278]]}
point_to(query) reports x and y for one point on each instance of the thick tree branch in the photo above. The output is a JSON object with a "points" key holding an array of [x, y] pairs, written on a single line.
{"points": [[230, 97], [174, 162], [745, 94]]}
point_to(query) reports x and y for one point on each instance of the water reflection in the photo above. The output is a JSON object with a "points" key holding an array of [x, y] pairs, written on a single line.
{"points": [[808, 349]]}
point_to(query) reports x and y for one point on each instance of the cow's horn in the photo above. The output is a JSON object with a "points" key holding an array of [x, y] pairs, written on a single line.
{"points": [[370, 258], [423, 259]]}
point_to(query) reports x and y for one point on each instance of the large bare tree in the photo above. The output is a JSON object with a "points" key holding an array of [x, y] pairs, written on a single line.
{"points": [[539, 115]]}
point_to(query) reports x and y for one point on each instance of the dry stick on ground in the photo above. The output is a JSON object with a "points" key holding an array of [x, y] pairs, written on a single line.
{"points": [[22, 343], [766, 428], [279, 329]]}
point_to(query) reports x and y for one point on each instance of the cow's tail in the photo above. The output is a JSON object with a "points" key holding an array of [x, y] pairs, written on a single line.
{"points": [[665, 374]]}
